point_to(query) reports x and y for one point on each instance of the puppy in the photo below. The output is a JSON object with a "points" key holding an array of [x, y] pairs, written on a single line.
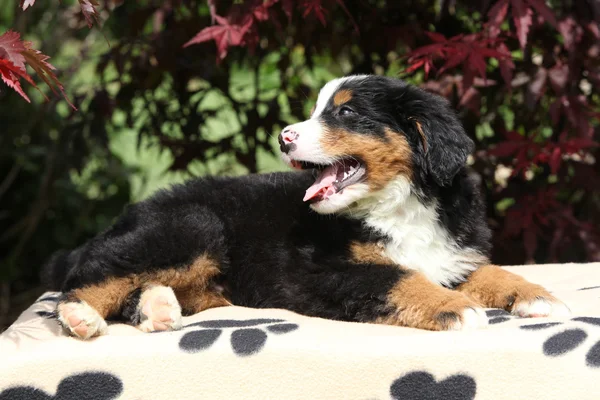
{"points": [[382, 224]]}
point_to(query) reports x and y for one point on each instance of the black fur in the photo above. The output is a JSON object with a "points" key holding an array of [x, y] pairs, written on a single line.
{"points": [[272, 249]]}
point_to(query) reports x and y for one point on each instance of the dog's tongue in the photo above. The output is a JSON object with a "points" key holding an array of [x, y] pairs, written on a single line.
{"points": [[323, 186]]}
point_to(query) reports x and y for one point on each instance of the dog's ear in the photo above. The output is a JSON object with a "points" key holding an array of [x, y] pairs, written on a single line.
{"points": [[444, 145]]}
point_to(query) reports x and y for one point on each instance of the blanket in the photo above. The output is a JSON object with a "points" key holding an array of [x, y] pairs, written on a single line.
{"points": [[242, 353]]}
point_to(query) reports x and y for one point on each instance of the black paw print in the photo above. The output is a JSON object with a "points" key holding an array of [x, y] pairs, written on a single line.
{"points": [[568, 340], [50, 298], [245, 340], [497, 316], [421, 385], [85, 386], [589, 288]]}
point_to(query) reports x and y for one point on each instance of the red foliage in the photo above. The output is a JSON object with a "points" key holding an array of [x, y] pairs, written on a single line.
{"points": [[468, 51], [548, 136], [38, 62], [530, 151], [88, 9], [522, 13], [225, 34], [238, 28], [10, 75], [14, 54], [542, 215]]}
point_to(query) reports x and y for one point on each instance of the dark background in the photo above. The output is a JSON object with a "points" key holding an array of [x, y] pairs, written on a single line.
{"points": [[524, 75]]}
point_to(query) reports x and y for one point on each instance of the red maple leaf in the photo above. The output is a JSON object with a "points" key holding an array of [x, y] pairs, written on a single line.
{"points": [[38, 61], [212, 7], [261, 11], [522, 18], [522, 12], [566, 146], [26, 3], [525, 152], [224, 35], [14, 54], [10, 74], [11, 48], [577, 111], [12, 62], [522, 150], [88, 9], [469, 51]]}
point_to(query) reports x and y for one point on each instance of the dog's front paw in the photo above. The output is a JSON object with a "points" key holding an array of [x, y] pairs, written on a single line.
{"points": [[80, 319], [159, 310], [416, 302], [542, 305], [460, 314]]}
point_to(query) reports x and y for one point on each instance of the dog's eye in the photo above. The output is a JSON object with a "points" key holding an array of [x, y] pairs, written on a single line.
{"points": [[346, 111]]}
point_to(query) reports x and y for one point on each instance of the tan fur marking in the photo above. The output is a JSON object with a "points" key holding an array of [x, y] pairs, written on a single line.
{"points": [[495, 287], [106, 297], [192, 287], [421, 133], [384, 159], [195, 293], [368, 253], [342, 97], [312, 110], [422, 304]]}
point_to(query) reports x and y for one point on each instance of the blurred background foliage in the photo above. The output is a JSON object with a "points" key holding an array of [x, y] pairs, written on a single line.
{"points": [[524, 75]]}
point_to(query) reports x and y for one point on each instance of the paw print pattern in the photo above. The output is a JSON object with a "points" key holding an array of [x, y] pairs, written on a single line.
{"points": [[588, 288], [497, 316], [245, 340], [49, 298], [588, 320], [537, 327], [568, 340], [52, 298], [85, 386], [564, 342], [421, 385]]}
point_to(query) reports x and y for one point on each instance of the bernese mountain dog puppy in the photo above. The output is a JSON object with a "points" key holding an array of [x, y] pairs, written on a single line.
{"points": [[382, 224]]}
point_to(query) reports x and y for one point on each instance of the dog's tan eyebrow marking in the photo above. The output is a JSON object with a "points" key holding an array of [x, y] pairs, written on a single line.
{"points": [[420, 130], [341, 97]]}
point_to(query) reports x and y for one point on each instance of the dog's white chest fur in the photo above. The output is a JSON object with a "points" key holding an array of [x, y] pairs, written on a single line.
{"points": [[417, 240]]}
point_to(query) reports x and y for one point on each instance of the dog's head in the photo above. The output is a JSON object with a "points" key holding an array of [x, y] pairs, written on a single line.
{"points": [[365, 131]]}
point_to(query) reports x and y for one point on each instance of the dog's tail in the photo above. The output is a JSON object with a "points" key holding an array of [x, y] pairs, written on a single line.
{"points": [[55, 271]]}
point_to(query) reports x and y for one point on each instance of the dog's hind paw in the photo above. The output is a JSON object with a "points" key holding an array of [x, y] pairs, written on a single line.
{"points": [[159, 310], [80, 319]]}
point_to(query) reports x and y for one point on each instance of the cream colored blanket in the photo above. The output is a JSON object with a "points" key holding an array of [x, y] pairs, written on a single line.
{"points": [[240, 353]]}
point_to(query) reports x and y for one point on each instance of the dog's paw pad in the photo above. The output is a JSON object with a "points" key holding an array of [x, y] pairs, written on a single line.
{"points": [[541, 307], [81, 320], [159, 310]]}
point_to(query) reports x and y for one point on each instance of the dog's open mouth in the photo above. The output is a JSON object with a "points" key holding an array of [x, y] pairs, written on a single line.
{"points": [[332, 178]]}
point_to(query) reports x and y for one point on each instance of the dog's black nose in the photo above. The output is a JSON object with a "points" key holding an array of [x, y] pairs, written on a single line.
{"points": [[284, 147], [286, 139]]}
